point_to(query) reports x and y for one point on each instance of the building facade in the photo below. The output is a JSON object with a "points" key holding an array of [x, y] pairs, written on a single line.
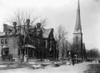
{"points": [[34, 41]]}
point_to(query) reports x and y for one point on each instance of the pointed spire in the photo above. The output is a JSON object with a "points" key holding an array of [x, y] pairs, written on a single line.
{"points": [[78, 8], [78, 28]]}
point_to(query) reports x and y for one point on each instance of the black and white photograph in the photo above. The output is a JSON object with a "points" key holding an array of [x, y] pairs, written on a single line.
{"points": [[49, 36]]}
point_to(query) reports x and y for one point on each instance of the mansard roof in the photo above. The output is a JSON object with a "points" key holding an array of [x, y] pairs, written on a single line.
{"points": [[10, 29], [19, 29]]}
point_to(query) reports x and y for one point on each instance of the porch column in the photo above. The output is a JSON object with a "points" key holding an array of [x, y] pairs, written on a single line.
{"points": [[33, 54], [42, 54], [36, 54], [46, 54]]}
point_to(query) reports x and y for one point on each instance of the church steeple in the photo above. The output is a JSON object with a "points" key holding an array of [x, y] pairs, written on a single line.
{"points": [[78, 28], [78, 36]]}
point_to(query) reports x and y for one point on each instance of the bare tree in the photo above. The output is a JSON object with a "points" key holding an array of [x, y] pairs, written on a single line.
{"points": [[20, 17], [93, 53], [61, 42], [43, 22]]}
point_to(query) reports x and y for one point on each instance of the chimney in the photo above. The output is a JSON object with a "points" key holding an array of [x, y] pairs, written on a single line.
{"points": [[14, 25], [38, 25], [5, 28], [28, 24]]}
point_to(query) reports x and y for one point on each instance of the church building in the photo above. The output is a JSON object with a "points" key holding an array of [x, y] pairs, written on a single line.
{"points": [[78, 45]]}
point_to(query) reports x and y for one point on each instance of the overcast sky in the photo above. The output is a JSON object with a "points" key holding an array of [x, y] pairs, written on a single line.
{"points": [[60, 12]]}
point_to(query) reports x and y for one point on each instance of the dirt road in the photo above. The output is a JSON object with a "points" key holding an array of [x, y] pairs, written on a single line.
{"points": [[77, 68]]}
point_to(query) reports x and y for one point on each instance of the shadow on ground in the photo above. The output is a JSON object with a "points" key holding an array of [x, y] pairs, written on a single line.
{"points": [[93, 68]]}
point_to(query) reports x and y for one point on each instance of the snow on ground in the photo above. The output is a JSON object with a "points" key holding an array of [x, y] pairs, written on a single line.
{"points": [[77, 68]]}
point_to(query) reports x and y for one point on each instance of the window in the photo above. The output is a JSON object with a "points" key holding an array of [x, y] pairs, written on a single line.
{"points": [[2, 41], [39, 42], [6, 41], [38, 32], [76, 39]]}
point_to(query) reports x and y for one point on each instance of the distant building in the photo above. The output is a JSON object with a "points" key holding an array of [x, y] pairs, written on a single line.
{"points": [[78, 45], [35, 41]]}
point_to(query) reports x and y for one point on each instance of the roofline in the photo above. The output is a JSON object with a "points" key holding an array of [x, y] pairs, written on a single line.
{"points": [[8, 36]]}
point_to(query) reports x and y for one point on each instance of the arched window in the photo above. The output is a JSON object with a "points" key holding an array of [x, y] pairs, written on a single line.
{"points": [[2, 41], [76, 39], [6, 40]]}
